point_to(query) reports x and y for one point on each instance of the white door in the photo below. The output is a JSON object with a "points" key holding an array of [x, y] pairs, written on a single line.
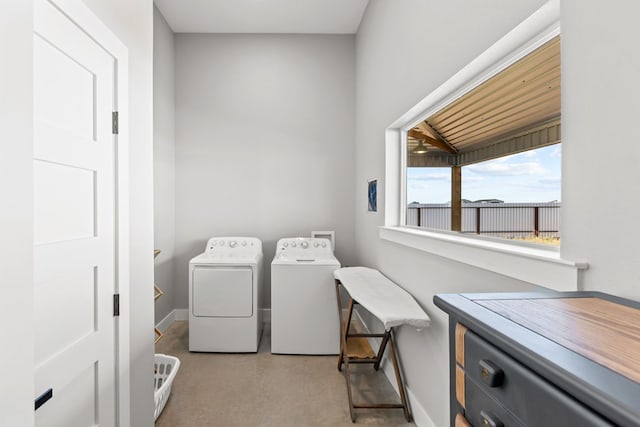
{"points": [[74, 224]]}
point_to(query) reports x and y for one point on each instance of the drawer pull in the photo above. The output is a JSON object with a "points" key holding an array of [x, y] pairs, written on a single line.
{"points": [[490, 373], [43, 398], [490, 420]]}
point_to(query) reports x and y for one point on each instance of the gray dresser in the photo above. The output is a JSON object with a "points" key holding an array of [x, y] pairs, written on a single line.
{"points": [[568, 359]]}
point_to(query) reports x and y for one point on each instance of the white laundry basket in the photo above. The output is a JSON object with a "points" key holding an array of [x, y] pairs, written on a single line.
{"points": [[166, 368]]}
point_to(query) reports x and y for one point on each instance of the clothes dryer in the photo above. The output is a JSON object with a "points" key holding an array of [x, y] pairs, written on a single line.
{"points": [[225, 286]]}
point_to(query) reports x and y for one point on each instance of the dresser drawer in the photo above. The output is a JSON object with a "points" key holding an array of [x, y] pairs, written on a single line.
{"points": [[482, 410], [530, 398]]}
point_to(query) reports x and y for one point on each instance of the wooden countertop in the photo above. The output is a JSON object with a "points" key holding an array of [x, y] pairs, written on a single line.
{"points": [[601, 330]]}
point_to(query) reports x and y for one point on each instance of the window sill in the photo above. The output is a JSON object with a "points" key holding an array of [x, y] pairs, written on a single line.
{"points": [[539, 266]]}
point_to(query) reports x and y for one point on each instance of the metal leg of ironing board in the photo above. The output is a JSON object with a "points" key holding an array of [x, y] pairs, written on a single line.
{"points": [[383, 345], [344, 355], [347, 375], [344, 326], [396, 369], [340, 324]]}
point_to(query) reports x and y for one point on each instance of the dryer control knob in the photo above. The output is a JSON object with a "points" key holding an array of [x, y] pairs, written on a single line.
{"points": [[244, 243], [233, 244], [315, 244], [304, 245], [293, 244], [324, 245], [285, 244], [221, 242]]}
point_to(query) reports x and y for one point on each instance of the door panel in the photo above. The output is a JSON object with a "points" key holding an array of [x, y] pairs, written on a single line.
{"points": [[77, 318], [76, 89], [65, 201], [74, 228], [75, 403]]}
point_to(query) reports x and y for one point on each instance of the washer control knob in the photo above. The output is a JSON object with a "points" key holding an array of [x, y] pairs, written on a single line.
{"points": [[214, 243], [324, 245], [244, 243], [221, 242], [293, 244], [285, 244], [315, 244], [233, 244], [304, 245]]}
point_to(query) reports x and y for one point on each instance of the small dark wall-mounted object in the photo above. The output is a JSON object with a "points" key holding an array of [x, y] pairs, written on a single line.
{"points": [[372, 195]]}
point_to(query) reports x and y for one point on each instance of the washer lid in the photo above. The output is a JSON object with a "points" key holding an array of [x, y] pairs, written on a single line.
{"points": [[297, 258]]}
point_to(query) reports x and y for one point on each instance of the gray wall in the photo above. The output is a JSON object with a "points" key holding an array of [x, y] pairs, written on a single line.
{"points": [[405, 50], [132, 22], [264, 142], [163, 161]]}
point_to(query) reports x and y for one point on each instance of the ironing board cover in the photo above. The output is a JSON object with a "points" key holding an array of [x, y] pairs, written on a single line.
{"points": [[391, 304]]}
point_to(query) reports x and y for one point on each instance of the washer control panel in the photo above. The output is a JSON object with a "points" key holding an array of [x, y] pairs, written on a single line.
{"points": [[304, 246], [233, 245]]}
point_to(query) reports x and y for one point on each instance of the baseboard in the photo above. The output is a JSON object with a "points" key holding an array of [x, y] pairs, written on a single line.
{"points": [[420, 416], [167, 321], [175, 314], [181, 313]]}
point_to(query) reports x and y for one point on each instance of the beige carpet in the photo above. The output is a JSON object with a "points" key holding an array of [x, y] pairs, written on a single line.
{"points": [[215, 389]]}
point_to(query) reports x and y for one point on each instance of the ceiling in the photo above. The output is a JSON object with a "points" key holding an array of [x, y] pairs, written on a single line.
{"points": [[263, 16], [516, 110]]}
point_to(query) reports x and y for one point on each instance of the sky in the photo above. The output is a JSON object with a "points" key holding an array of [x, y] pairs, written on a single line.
{"points": [[531, 176]]}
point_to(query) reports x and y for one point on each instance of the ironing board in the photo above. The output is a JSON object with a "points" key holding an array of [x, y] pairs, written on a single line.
{"points": [[393, 306]]}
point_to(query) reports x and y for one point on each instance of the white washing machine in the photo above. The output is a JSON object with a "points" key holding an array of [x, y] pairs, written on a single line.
{"points": [[225, 285], [304, 308]]}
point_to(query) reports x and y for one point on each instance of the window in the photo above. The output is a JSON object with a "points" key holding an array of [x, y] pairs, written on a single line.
{"points": [[434, 117], [488, 163]]}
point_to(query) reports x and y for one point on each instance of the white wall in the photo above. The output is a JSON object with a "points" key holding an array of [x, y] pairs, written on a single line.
{"points": [[406, 49], [132, 22], [264, 142], [600, 148], [16, 214], [163, 161]]}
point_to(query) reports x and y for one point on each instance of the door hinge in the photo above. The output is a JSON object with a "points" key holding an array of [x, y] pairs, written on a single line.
{"points": [[114, 122], [116, 305]]}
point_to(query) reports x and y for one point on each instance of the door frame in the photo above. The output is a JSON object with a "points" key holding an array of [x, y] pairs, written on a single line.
{"points": [[84, 18]]}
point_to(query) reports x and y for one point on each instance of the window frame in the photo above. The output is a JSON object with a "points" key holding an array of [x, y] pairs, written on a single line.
{"points": [[539, 265]]}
